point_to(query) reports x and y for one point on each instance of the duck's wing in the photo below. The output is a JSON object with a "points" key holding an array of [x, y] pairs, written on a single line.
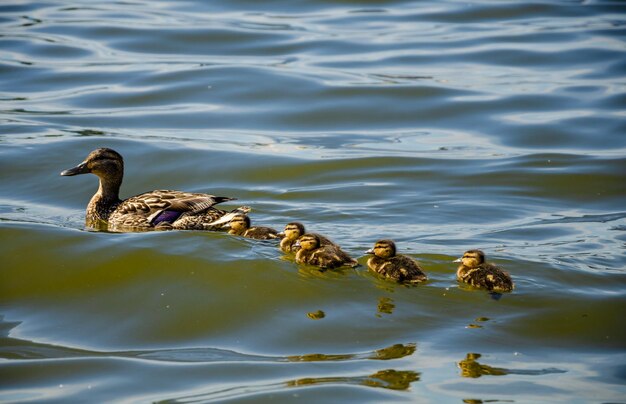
{"points": [[167, 206], [331, 256], [408, 270], [206, 220], [496, 279]]}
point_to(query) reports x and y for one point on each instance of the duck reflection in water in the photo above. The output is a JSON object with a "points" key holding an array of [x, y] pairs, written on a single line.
{"points": [[470, 367], [385, 306], [387, 379], [395, 351]]}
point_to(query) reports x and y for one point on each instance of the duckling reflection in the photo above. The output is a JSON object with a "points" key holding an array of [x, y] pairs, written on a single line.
{"points": [[484, 275], [239, 225], [311, 252], [470, 367], [385, 306], [293, 231], [399, 268], [395, 351], [387, 379]]}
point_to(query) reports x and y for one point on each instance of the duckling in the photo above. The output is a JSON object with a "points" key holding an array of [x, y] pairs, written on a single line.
{"points": [[290, 235], [484, 275], [399, 268], [312, 252], [160, 209], [240, 226]]}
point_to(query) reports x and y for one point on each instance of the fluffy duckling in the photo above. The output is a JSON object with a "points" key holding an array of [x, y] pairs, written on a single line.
{"points": [[312, 252], [240, 226], [399, 268], [293, 231], [484, 275], [161, 209]]}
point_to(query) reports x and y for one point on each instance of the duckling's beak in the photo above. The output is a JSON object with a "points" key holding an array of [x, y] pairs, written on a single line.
{"points": [[226, 226], [297, 243], [281, 234], [79, 169], [458, 260], [370, 251]]}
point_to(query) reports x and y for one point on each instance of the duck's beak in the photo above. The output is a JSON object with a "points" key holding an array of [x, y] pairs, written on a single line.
{"points": [[79, 169], [458, 260], [297, 243], [281, 234], [370, 251]]}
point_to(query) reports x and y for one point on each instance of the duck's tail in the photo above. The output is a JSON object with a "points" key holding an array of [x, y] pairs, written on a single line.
{"points": [[228, 216]]}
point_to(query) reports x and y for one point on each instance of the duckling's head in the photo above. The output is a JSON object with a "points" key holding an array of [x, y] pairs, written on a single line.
{"points": [[383, 249], [292, 231], [105, 163], [472, 258], [239, 223], [308, 242]]}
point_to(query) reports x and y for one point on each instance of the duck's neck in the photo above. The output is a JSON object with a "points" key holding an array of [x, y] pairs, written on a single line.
{"points": [[105, 200]]}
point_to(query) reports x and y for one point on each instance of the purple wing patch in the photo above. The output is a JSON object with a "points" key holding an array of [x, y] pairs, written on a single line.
{"points": [[168, 216]]}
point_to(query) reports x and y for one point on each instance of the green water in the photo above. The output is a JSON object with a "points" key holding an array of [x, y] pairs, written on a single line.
{"points": [[442, 125]]}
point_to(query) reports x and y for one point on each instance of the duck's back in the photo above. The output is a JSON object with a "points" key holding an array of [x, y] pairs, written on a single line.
{"points": [[166, 208], [488, 276]]}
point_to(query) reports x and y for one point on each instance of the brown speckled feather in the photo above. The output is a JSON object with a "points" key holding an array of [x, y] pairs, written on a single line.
{"points": [[261, 233], [399, 268], [486, 276], [329, 256]]}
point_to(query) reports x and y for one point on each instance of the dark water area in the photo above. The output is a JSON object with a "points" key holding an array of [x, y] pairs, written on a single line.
{"points": [[444, 125]]}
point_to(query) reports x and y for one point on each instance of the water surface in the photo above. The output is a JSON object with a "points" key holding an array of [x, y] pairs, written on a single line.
{"points": [[444, 125]]}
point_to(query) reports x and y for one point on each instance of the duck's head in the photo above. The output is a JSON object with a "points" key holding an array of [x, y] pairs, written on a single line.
{"points": [[383, 249], [292, 231], [239, 223], [472, 258], [105, 163], [308, 242]]}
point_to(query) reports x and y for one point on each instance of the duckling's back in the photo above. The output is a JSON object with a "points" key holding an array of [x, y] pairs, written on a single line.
{"points": [[399, 268], [261, 233], [488, 276], [327, 256]]}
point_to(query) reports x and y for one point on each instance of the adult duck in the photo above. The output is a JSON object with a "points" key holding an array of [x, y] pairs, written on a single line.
{"points": [[160, 209]]}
